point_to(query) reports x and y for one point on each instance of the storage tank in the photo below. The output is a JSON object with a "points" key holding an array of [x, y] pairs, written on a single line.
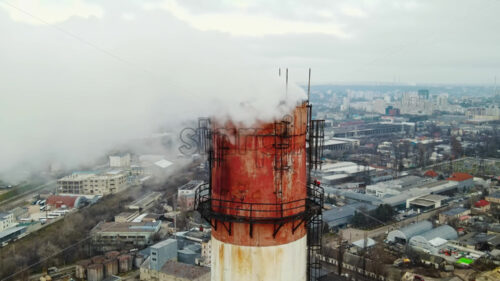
{"points": [[125, 263], [138, 260], [81, 268], [95, 272], [112, 254], [98, 259], [110, 267], [258, 202]]}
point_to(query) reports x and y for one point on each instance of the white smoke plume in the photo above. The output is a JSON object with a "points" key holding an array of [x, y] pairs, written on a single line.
{"points": [[73, 91]]}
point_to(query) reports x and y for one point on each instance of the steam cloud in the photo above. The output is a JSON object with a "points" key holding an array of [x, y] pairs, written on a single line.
{"points": [[70, 98]]}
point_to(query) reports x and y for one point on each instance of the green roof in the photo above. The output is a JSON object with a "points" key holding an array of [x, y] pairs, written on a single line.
{"points": [[465, 261]]}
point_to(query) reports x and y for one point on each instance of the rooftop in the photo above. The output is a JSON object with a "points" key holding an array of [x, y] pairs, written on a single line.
{"points": [[163, 163], [127, 227], [495, 194], [3, 215], [361, 243], [164, 243], [183, 270], [460, 177], [481, 203], [431, 174], [10, 231], [191, 185], [454, 211], [146, 199]]}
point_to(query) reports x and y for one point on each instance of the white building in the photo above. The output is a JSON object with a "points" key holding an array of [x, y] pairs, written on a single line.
{"points": [[403, 235], [6, 220], [432, 239], [119, 161]]}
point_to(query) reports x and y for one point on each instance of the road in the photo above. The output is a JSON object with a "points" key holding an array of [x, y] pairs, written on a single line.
{"points": [[61, 272], [6, 204]]}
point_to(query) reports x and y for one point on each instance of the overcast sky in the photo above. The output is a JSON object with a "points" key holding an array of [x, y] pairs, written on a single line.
{"points": [[79, 77], [343, 41]]}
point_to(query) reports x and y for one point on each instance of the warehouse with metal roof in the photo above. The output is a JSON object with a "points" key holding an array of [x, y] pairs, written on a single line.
{"points": [[404, 234], [428, 240]]}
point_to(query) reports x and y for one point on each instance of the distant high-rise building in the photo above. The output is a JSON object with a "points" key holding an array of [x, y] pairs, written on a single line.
{"points": [[423, 94]]}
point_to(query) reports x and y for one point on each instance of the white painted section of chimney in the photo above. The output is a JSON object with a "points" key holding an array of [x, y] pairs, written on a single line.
{"points": [[272, 263]]}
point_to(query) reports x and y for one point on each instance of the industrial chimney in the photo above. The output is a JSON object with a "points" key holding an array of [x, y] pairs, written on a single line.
{"points": [[264, 209]]}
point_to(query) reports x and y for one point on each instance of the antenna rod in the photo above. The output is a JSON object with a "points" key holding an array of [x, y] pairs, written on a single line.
{"points": [[309, 85], [279, 72], [286, 92]]}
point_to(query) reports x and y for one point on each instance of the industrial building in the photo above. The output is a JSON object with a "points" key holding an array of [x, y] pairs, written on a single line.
{"points": [[126, 216], [369, 130], [455, 213], [145, 202], [395, 187], [168, 252], [339, 217], [427, 202], [161, 252], [432, 239], [91, 183], [108, 236], [404, 234], [11, 233], [345, 167], [340, 144], [186, 194]]}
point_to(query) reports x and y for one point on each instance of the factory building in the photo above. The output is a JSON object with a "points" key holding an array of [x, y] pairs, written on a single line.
{"points": [[431, 240], [404, 234], [339, 217], [108, 236], [93, 183], [145, 202]]}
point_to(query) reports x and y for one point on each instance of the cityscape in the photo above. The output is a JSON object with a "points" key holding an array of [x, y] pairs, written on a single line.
{"points": [[178, 168]]}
